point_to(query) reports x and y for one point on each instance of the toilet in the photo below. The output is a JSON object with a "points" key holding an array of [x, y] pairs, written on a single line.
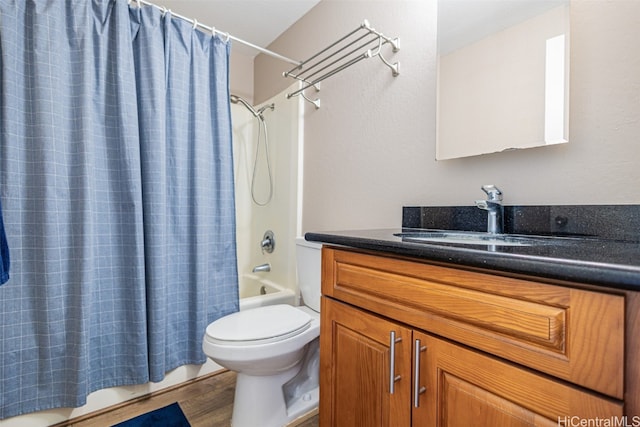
{"points": [[274, 350]]}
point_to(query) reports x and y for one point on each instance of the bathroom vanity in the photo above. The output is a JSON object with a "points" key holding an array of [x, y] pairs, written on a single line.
{"points": [[421, 334]]}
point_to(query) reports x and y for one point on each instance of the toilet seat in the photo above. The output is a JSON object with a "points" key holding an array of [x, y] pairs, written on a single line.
{"points": [[261, 325]]}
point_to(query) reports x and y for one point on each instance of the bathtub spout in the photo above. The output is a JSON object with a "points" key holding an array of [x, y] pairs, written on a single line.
{"points": [[262, 268]]}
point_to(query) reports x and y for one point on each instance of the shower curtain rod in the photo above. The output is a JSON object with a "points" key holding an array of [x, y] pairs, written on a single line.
{"points": [[214, 30]]}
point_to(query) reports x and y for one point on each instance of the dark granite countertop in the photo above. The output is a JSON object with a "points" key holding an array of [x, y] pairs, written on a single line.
{"points": [[601, 262], [603, 259]]}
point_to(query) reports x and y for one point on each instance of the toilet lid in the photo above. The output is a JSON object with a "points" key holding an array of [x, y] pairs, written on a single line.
{"points": [[272, 323]]}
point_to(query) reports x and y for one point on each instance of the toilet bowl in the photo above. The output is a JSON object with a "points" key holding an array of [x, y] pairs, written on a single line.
{"points": [[275, 352]]}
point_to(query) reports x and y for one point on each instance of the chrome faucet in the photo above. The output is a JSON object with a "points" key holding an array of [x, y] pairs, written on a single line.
{"points": [[494, 208], [262, 268]]}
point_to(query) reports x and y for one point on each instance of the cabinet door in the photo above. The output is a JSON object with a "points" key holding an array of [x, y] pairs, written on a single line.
{"points": [[357, 364], [468, 388]]}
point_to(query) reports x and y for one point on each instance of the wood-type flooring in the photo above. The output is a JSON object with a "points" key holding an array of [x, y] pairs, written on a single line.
{"points": [[206, 402]]}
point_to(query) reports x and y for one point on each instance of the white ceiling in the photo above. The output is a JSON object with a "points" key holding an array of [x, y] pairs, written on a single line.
{"points": [[257, 21]]}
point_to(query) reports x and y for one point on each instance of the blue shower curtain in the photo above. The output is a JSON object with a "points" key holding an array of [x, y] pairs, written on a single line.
{"points": [[116, 179]]}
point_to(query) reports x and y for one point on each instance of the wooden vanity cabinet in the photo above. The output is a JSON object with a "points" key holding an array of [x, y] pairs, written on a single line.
{"points": [[402, 321]]}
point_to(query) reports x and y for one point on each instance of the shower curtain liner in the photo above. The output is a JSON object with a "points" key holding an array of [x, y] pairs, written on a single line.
{"points": [[116, 180]]}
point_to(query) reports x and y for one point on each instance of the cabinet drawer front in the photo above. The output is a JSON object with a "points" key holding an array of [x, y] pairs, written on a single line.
{"points": [[573, 334], [530, 322]]}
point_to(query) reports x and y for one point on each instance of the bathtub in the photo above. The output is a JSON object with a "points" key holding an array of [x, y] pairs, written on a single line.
{"points": [[257, 292]]}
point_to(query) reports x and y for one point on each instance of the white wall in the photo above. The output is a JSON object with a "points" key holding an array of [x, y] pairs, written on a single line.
{"points": [[370, 148]]}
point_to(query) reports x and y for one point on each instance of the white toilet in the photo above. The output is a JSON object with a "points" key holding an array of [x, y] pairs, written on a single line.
{"points": [[274, 350]]}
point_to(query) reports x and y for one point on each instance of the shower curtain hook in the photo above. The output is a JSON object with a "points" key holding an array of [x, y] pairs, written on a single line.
{"points": [[213, 31], [195, 23], [164, 11], [226, 37]]}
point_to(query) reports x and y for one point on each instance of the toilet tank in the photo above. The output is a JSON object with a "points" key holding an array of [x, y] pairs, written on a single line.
{"points": [[308, 259]]}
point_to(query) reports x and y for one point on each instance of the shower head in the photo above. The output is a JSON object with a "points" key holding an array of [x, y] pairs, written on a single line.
{"points": [[237, 99]]}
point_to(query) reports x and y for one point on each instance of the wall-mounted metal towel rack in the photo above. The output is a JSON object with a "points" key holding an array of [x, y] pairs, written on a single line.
{"points": [[362, 43]]}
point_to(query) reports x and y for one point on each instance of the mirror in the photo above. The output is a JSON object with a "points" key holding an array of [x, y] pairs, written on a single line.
{"points": [[503, 75]]}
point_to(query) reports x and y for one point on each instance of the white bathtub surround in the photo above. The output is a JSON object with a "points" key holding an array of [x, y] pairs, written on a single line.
{"points": [[252, 296], [280, 215]]}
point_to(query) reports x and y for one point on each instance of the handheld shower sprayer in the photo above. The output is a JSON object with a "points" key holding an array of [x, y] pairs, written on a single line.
{"points": [[262, 129]]}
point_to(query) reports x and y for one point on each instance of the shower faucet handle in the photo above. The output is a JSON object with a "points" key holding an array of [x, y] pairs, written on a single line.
{"points": [[268, 243]]}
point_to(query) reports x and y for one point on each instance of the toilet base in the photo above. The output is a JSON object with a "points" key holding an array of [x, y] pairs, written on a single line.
{"points": [[259, 400], [263, 401]]}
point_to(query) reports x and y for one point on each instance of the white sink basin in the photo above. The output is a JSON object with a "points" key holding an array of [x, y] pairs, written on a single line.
{"points": [[469, 238]]}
